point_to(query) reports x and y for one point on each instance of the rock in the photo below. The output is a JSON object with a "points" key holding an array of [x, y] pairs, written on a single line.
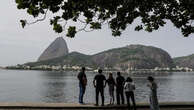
{"points": [[56, 49]]}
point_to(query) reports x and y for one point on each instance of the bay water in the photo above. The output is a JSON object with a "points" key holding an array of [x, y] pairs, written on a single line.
{"points": [[62, 87]]}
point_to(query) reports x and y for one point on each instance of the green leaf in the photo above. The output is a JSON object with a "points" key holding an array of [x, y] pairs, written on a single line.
{"points": [[138, 28], [23, 23], [95, 25], [152, 14], [71, 31], [58, 28], [116, 33], [148, 29]]}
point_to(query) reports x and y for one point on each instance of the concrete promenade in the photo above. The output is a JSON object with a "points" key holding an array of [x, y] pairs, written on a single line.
{"points": [[65, 106]]}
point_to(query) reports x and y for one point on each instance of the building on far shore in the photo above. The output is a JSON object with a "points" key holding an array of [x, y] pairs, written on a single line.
{"points": [[76, 68]]}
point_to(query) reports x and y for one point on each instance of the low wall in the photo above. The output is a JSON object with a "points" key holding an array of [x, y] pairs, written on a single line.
{"points": [[65, 106]]}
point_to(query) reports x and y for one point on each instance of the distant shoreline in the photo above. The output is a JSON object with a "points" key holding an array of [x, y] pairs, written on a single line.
{"points": [[135, 72]]}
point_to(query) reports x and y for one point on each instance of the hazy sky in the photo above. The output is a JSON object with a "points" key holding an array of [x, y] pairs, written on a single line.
{"points": [[19, 45]]}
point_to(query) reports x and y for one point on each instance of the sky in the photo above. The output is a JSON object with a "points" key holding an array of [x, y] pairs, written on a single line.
{"points": [[18, 45]]}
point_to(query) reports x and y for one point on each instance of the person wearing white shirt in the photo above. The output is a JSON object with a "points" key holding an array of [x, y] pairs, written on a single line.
{"points": [[129, 88]]}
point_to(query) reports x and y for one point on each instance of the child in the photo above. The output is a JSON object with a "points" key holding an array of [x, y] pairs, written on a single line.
{"points": [[129, 87]]}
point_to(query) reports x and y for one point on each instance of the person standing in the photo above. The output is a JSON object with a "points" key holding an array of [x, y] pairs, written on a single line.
{"points": [[153, 94], [99, 83], [119, 88], [82, 84], [129, 88], [111, 84]]}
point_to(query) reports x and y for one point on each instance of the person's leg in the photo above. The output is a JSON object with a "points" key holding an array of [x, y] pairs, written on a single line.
{"points": [[80, 93], [151, 103], [155, 102], [112, 96], [118, 97], [127, 97], [83, 92], [102, 95], [129, 106], [122, 96], [133, 100], [97, 93]]}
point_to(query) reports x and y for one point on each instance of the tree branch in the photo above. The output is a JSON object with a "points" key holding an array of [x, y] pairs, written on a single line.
{"points": [[64, 25], [81, 20], [191, 22], [81, 29], [88, 30], [38, 20]]}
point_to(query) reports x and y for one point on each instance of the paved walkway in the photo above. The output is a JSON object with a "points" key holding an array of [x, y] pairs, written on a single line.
{"points": [[69, 106]]}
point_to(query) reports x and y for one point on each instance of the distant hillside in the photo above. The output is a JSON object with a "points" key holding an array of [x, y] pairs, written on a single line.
{"points": [[186, 61], [73, 58], [132, 56]]}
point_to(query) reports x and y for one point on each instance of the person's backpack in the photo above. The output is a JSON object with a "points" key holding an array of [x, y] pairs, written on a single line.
{"points": [[84, 80]]}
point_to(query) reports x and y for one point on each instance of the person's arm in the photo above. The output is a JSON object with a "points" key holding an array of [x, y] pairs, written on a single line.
{"points": [[79, 76], [105, 82], [125, 85], [149, 85], [114, 83], [134, 86], [94, 82], [123, 81]]}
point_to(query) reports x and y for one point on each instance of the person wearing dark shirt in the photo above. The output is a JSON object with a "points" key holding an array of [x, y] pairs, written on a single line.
{"points": [[82, 84], [99, 84], [119, 88], [111, 83], [154, 105]]}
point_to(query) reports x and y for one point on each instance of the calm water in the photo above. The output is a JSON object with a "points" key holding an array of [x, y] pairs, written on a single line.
{"points": [[42, 86]]}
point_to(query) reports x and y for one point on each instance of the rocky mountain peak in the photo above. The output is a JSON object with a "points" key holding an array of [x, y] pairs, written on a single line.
{"points": [[56, 49]]}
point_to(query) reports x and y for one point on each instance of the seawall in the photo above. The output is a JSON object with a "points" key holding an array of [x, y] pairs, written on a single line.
{"points": [[70, 106]]}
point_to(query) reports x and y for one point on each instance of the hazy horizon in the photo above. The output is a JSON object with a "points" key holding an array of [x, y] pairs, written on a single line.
{"points": [[18, 45]]}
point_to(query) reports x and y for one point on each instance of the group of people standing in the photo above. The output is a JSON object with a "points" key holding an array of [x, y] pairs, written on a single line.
{"points": [[122, 86]]}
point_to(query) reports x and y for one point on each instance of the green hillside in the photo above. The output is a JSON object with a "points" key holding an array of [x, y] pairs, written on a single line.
{"points": [[73, 58], [186, 61]]}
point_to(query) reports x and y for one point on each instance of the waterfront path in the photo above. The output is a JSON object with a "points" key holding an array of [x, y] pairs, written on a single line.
{"points": [[63, 106]]}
